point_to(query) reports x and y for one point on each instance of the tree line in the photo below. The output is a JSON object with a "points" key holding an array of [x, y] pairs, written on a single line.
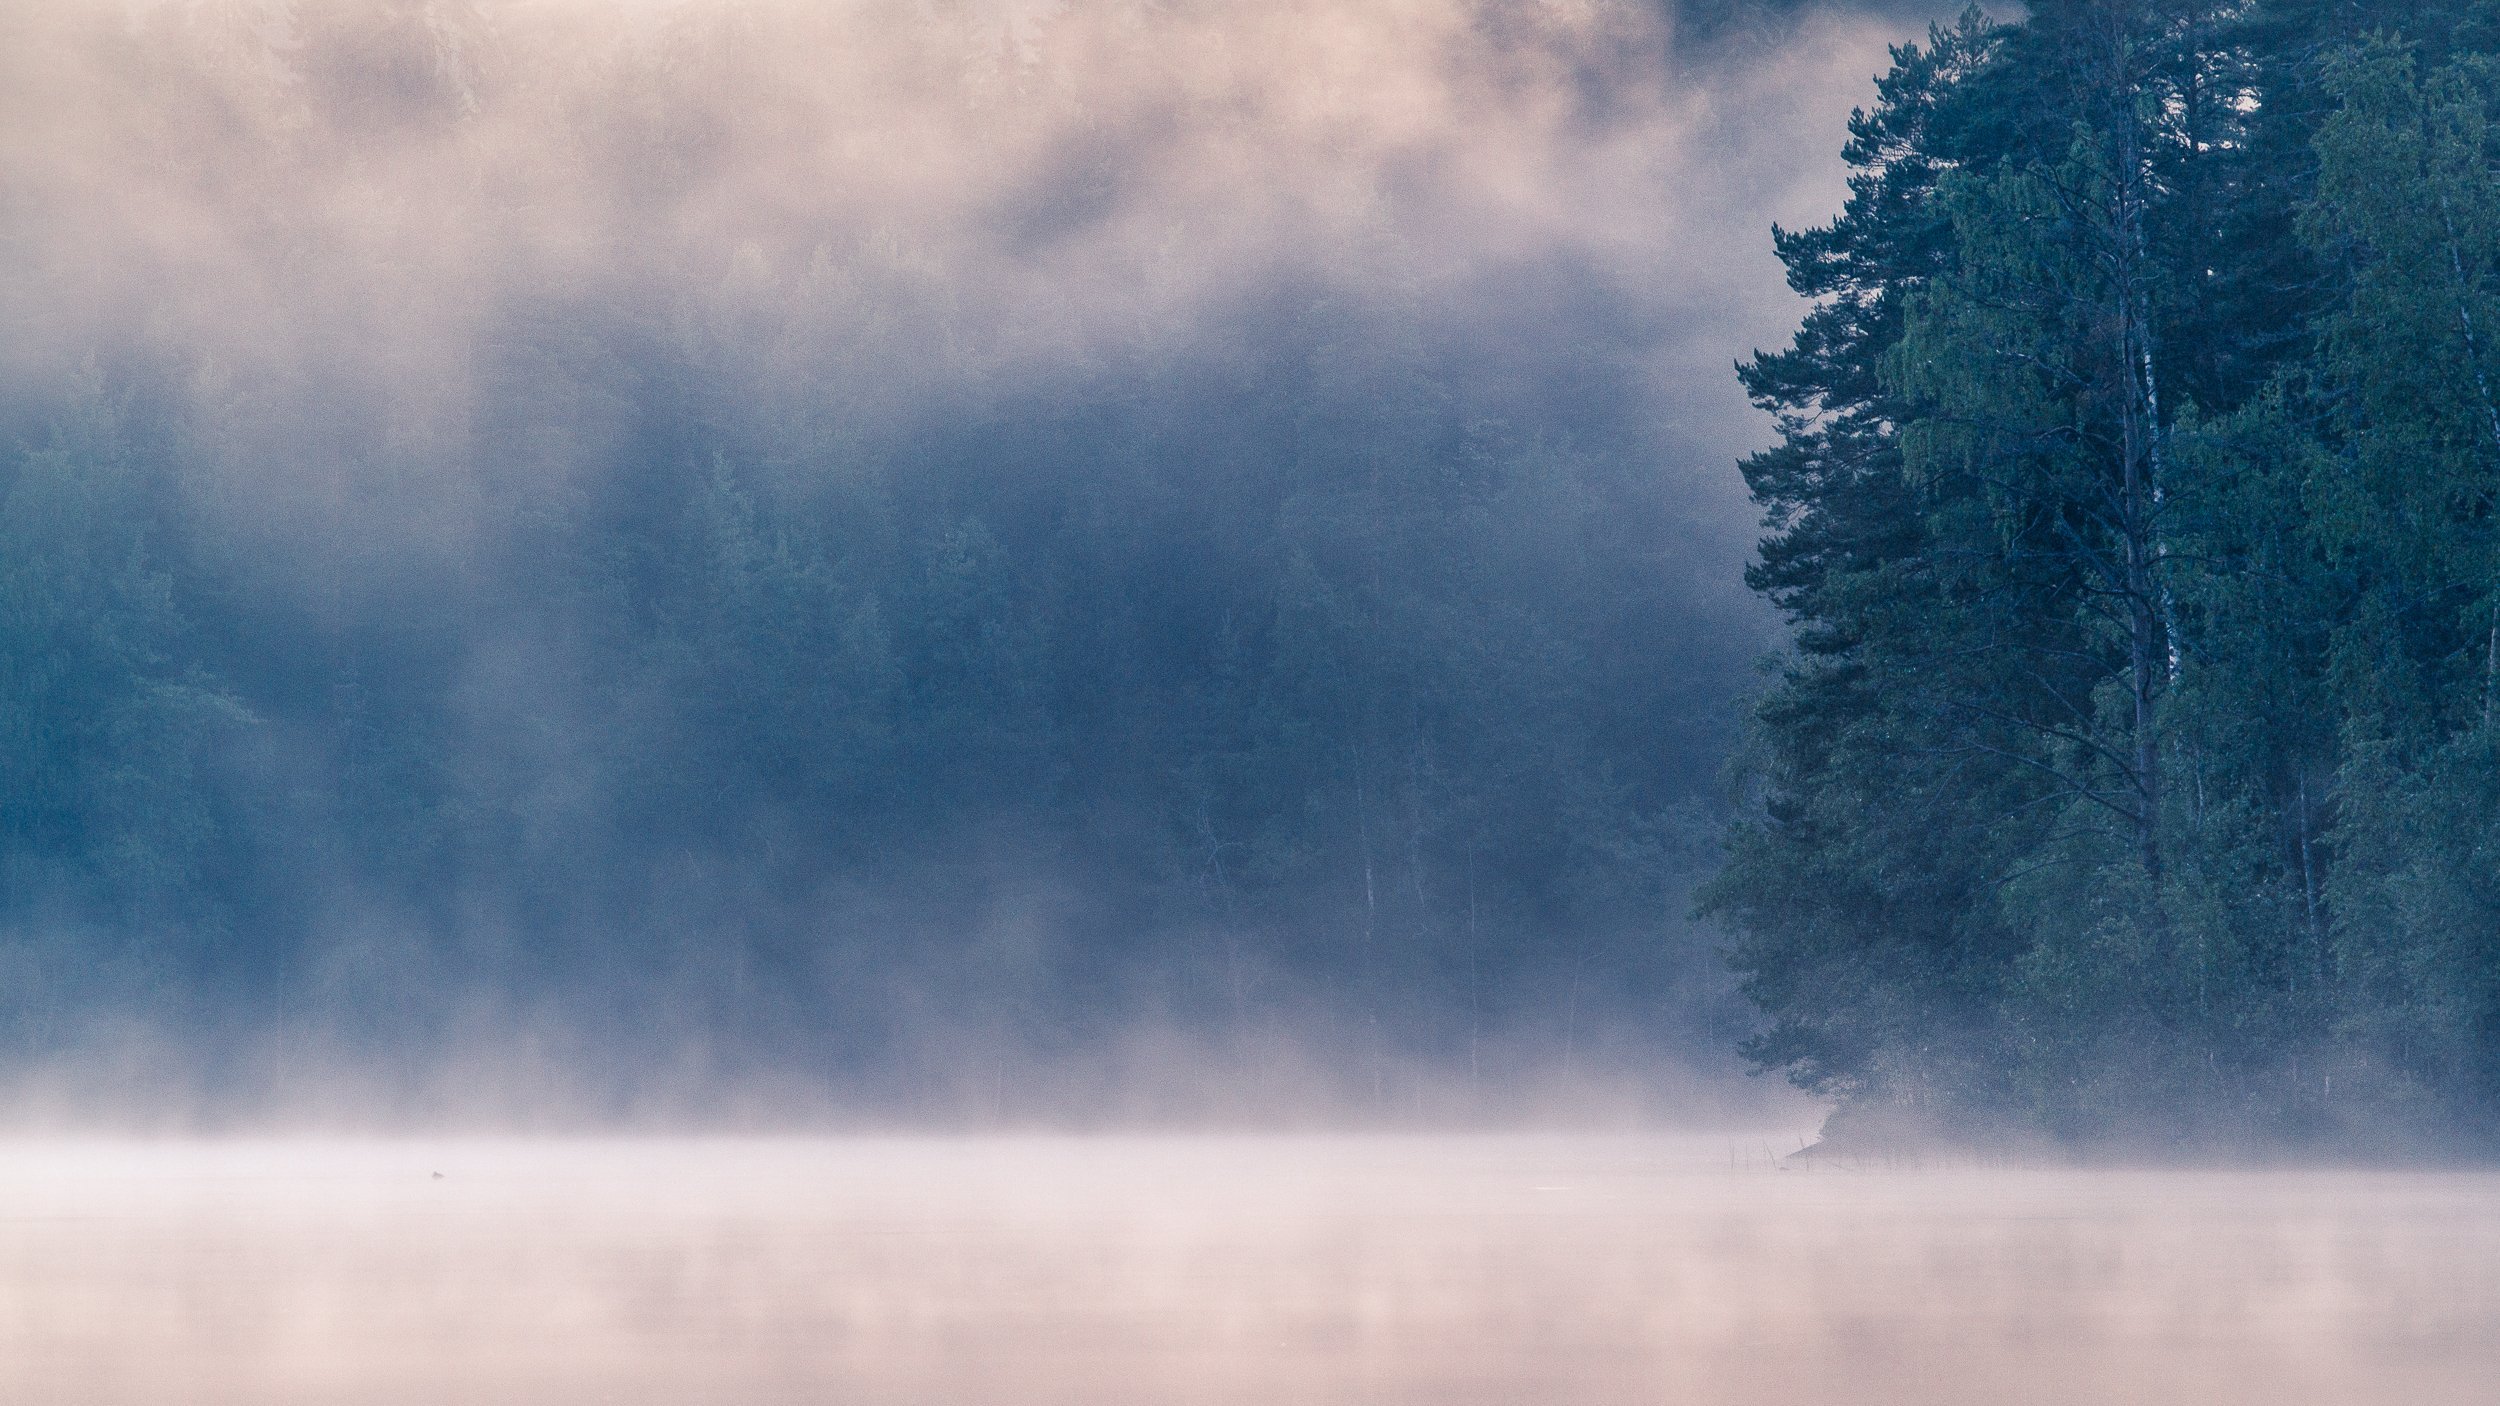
{"points": [[2134, 772]]}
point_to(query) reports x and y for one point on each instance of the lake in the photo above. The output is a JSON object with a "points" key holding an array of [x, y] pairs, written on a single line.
{"points": [[1542, 1270]]}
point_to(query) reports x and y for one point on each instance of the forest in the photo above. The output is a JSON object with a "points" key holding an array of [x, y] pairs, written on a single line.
{"points": [[797, 553], [2133, 776], [1135, 560]]}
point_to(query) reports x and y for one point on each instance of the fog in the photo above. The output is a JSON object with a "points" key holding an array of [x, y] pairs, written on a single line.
{"points": [[764, 563], [968, 701], [1452, 1269], [358, 233]]}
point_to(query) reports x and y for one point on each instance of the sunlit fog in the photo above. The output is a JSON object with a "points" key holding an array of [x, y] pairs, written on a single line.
{"points": [[1411, 702], [1567, 1270]]}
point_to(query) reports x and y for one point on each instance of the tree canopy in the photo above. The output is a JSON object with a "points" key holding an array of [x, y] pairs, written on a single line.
{"points": [[2131, 776]]}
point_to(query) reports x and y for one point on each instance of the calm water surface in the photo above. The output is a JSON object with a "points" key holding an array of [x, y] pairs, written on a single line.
{"points": [[1541, 1271]]}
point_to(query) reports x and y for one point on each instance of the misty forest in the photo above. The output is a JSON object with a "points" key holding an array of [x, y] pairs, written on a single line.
{"points": [[912, 562], [1116, 559], [2135, 768]]}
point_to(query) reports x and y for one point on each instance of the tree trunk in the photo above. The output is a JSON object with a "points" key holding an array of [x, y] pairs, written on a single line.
{"points": [[2152, 651]]}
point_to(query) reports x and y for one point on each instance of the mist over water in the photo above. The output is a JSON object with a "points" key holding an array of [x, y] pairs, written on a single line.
{"points": [[1428, 1270], [1075, 628]]}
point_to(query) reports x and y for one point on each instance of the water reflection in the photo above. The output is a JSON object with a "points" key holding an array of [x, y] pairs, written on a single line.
{"points": [[1542, 1270]]}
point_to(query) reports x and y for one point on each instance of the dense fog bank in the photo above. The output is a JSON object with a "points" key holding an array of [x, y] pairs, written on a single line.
{"points": [[1061, 557]]}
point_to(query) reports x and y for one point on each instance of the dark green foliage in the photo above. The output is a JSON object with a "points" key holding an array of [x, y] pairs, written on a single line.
{"points": [[2132, 776]]}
